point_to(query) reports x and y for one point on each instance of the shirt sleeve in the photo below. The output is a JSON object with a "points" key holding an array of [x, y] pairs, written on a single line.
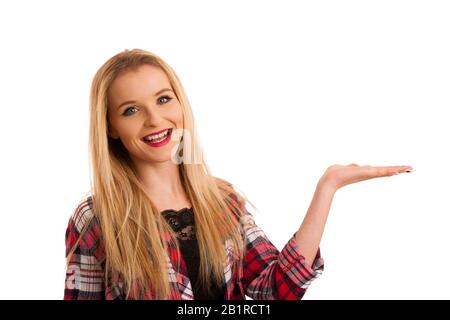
{"points": [[269, 274], [84, 272]]}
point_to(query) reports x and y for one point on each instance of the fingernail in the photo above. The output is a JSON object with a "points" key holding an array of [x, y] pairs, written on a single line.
{"points": [[409, 170]]}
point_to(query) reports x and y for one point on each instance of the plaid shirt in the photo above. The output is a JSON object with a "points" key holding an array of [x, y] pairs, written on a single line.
{"points": [[264, 274]]}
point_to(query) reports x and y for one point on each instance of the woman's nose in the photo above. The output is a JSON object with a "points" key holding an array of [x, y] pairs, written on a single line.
{"points": [[152, 117]]}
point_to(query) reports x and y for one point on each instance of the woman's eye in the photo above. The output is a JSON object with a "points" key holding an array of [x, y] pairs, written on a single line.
{"points": [[165, 97], [126, 113]]}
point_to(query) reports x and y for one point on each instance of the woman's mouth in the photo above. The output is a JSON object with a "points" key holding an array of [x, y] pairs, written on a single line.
{"points": [[158, 139]]}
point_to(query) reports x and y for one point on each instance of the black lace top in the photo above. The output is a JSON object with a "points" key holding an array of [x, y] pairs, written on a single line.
{"points": [[183, 223]]}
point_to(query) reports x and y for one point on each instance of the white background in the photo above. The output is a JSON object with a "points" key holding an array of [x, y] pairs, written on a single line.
{"points": [[280, 91]]}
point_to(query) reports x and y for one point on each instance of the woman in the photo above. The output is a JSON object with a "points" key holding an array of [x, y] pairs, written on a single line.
{"points": [[157, 224]]}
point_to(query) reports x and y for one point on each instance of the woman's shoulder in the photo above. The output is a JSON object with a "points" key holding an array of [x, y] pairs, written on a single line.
{"points": [[233, 195], [227, 187], [83, 213], [83, 227], [83, 222]]}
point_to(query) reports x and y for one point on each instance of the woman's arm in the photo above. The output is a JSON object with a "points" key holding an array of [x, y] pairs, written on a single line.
{"points": [[310, 232]]}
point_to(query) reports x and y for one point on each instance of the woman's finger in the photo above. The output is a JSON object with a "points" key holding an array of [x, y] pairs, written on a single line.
{"points": [[389, 170], [339, 176]]}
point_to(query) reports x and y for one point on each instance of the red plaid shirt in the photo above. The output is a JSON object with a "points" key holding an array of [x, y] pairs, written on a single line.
{"points": [[264, 274]]}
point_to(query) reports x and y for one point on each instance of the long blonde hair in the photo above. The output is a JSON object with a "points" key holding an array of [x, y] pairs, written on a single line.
{"points": [[131, 225]]}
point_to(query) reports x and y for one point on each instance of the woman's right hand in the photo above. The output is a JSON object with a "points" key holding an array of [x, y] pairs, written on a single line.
{"points": [[337, 176]]}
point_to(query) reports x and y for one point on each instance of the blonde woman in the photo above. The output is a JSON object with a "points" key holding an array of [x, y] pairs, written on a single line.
{"points": [[156, 224]]}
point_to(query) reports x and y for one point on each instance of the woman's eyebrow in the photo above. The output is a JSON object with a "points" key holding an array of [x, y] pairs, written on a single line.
{"points": [[162, 90], [132, 101]]}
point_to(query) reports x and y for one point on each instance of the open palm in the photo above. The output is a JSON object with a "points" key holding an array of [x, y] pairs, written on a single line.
{"points": [[338, 175]]}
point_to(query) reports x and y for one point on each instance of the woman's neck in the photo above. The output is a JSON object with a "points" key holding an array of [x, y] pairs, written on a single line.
{"points": [[162, 183]]}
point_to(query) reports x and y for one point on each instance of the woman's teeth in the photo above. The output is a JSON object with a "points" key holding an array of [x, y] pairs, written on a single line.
{"points": [[158, 137]]}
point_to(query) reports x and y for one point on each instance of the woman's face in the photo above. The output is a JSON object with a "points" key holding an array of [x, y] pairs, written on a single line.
{"points": [[142, 103]]}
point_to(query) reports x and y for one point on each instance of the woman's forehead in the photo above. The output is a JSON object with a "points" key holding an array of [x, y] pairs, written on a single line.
{"points": [[143, 81]]}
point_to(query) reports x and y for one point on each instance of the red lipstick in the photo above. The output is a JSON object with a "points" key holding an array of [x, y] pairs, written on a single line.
{"points": [[158, 142]]}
